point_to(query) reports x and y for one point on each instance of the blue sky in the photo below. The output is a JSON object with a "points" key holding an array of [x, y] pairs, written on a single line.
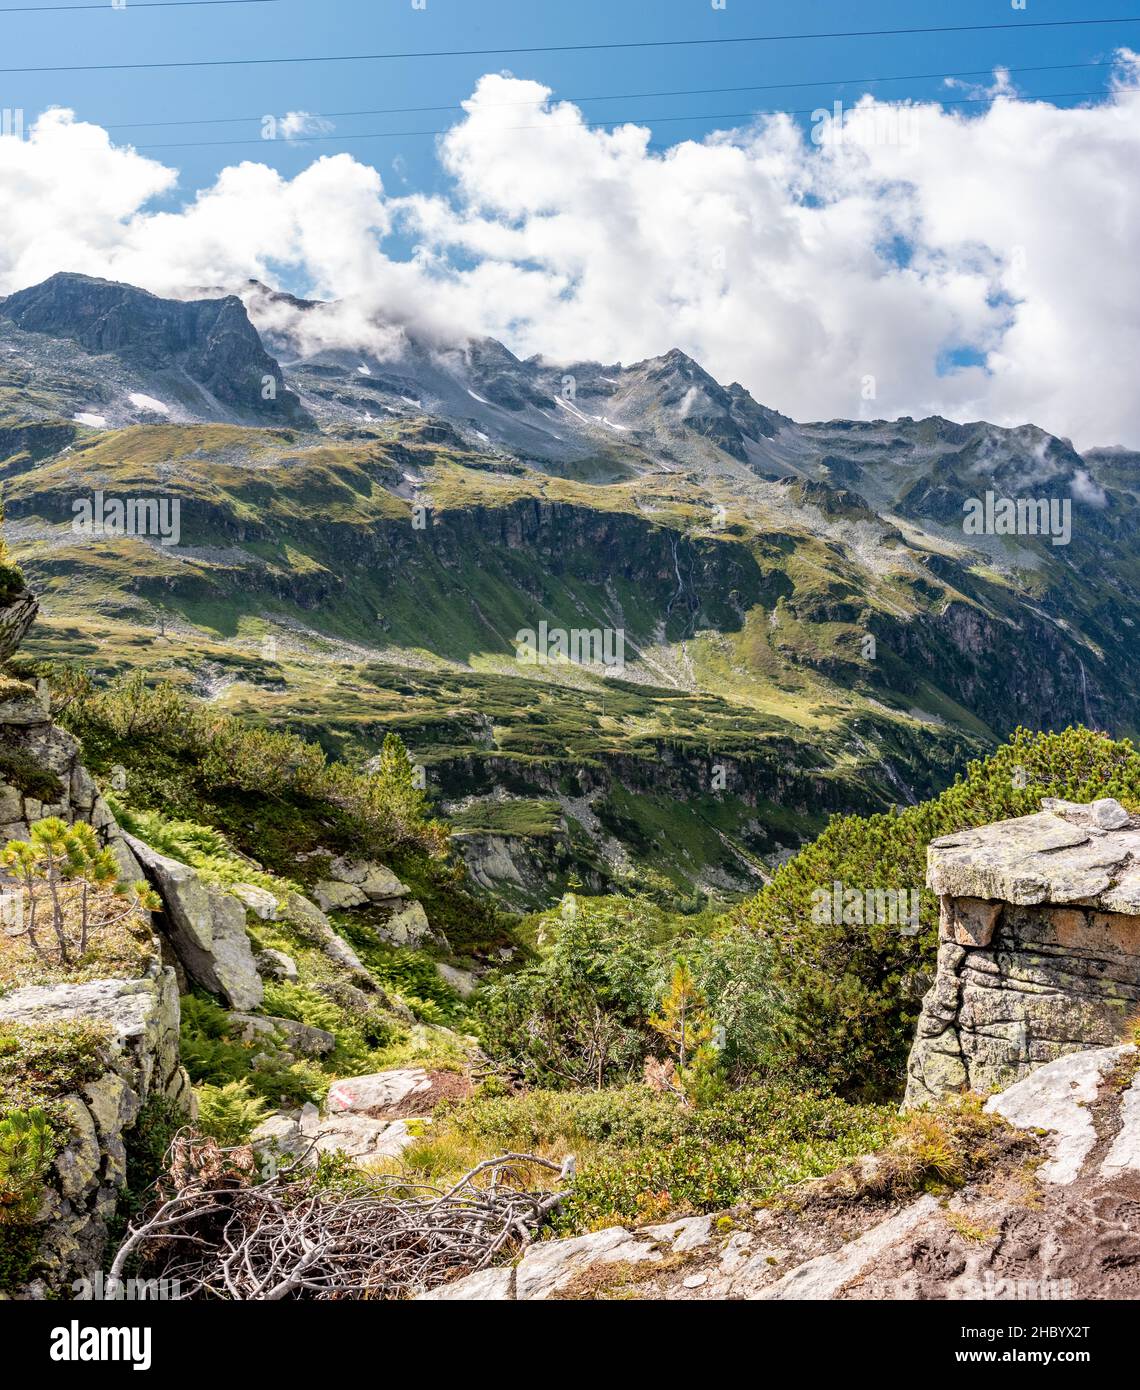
{"points": [[130, 100], [979, 264]]}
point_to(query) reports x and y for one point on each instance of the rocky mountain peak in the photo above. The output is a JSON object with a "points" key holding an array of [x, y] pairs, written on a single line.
{"points": [[210, 341]]}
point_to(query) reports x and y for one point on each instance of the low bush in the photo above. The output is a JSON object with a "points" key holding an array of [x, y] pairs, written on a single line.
{"points": [[642, 1154]]}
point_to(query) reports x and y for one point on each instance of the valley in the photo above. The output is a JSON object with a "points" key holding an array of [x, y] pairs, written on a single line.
{"points": [[807, 628]]}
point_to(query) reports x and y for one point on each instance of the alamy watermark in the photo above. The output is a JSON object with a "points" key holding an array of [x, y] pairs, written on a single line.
{"points": [[100, 515], [884, 907], [103, 1288], [884, 123], [1021, 516], [578, 646]]}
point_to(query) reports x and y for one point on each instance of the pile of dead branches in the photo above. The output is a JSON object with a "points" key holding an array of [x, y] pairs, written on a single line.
{"points": [[225, 1234]]}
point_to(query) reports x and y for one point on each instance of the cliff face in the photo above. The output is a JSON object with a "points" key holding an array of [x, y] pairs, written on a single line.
{"points": [[1039, 952], [136, 1020]]}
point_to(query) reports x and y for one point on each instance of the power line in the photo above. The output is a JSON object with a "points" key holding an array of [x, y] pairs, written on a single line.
{"points": [[627, 96], [301, 140], [574, 47], [133, 5]]}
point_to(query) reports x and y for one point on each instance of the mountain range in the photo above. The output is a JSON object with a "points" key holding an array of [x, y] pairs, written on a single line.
{"points": [[364, 532]]}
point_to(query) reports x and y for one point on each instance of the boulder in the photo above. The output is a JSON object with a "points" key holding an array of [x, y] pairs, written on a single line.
{"points": [[381, 1091], [360, 1138], [375, 881], [409, 926], [275, 965], [363, 1139], [312, 923], [260, 901], [298, 1037], [141, 1015], [206, 927], [334, 896], [463, 982]]}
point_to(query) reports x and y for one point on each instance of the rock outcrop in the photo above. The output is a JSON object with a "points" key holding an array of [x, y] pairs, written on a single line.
{"points": [[354, 884], [1039, 946], [357, 1123], [88, 1174]]}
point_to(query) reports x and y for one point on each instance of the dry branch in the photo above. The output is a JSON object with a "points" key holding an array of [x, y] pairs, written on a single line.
{"points": [[223, 1235]]}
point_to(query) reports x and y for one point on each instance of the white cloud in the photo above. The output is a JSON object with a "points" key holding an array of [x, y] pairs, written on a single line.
{"points": [[908, 245], [1086, 489]]}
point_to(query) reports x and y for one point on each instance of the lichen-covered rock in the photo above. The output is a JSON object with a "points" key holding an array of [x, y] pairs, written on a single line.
{"points": [[206, 927], [16, 616], [141, 1019], [334, 896], [313, 924], [275, 965], [301, 1038], [306, 1135], [380, 1091], [1039, 950], [409, 926], [260, 901], [377, 882]]}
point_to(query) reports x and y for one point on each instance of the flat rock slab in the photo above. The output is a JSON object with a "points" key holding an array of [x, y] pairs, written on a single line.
{"points": [[550, 1265], [824, 1276], [485, 1286], [381, 1091], [362, 1139], [1057, 1097], [1070, 854]]}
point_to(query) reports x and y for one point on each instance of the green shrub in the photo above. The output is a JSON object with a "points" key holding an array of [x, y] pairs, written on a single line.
{"points": [[286, 999], [147, 1143], [27, 1146], [643, 1154], [581, 1016], [214, 1058]]}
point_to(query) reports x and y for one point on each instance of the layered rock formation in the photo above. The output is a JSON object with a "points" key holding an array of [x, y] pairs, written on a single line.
{"points": [[88, 1175], [1039, 950]]}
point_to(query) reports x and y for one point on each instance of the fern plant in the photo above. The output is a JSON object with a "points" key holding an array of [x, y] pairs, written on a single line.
{"points": [[229, 1113]]}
